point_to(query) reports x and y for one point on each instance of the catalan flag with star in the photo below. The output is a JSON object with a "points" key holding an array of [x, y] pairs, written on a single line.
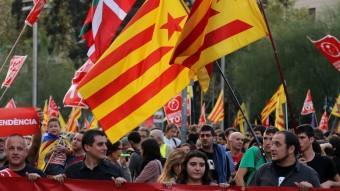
{"points": [[216, 28], [133, 78]]}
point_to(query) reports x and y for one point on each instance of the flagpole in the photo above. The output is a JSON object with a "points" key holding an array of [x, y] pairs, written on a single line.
{"points": [[3, 93], [14, 45], [278, 65], [237, 103], [286, 116], [224, 94], [184, 115]]}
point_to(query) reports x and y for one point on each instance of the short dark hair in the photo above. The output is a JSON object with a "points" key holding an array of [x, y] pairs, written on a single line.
{"points": [[305, 128], [88, 138], [134, 137], [112, 147], [183, 176], [229, 130], [260, 128], [271, 130], [54, 119], [170, 126], [291, 140], [208, 128]]}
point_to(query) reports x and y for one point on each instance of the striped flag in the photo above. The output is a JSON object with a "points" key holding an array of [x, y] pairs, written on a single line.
{"points": [[216, 28], [133, 78], [271, 104], [217, 113], [72, 123], [239, 119], [101, 24], [279, 116]]}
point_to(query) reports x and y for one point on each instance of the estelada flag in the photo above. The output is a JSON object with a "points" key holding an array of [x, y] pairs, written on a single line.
{"points": [[11, 104], [216, 28], [14, 68], [133, 78], [308, 107], [329, 46], [32, 17], [336, 107], [23, 121], [323, 126]]}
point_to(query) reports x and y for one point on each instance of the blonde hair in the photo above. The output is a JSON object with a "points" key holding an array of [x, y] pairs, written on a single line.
{"points": [[176, 157]]}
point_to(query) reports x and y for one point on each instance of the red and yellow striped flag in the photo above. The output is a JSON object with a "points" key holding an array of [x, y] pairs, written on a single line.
{"points": [[133, 78], [72, 123], [216, 28], [239, 119], [279, 116], [271, 105], [217, 114]]}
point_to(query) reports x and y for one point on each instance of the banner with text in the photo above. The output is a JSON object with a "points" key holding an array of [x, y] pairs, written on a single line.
{"points": [[24, 121]]}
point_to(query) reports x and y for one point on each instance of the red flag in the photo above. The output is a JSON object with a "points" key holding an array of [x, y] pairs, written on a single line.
{"points": [[329, 46], [14, 68], [101, 24], [324, 122], [266, 122], [202, 120], [53, 110], [32, 17], [308, 107], [72, 97], [24, 121], [11, 104]]}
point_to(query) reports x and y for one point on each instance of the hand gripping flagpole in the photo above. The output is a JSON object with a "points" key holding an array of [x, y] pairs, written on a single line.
{"points": [[278, 66], [14, 45], [237, 103]]}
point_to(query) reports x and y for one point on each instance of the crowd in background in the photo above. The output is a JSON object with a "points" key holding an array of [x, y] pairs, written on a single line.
{"points": [[306, 158]]}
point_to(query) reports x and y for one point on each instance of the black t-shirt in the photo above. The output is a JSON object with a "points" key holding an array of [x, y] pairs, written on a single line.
{"points": [[212, 165], [105, 170], [28, 169], [324, 166], [283, 172]]}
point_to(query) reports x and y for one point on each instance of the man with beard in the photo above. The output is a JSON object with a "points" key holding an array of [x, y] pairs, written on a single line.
{"points": [[285, 169], [217, 158], [323, 165], [252, 159], [78, 153], [16, 151]]}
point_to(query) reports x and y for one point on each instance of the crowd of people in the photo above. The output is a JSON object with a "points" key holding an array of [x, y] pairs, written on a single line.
{"points": [[307, 158]]}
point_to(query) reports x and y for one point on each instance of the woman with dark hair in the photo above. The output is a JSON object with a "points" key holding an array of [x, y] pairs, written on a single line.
{"points": [[114, 154], [195, 169], [152, 162]]}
